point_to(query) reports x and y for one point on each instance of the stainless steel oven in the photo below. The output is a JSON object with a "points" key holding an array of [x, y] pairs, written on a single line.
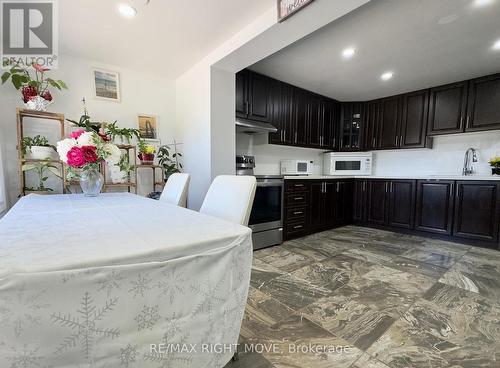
{"points": [[266, 218]]}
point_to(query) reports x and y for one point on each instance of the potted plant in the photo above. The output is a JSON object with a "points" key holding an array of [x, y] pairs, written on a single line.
{"points": [[146, 152], [169, 161], [85, 124], [120, 173], [41, 169], [495, 165], [121, 135], [38, 147], [35, 90]]}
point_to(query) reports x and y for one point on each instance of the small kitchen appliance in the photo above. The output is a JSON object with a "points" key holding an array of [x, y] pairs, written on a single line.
{"points": [[296, 167], [347, 163]]}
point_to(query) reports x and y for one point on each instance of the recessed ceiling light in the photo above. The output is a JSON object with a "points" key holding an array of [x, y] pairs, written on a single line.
{"points": [[481, 3], [496, 45], [387, 76], [349, 52], [128, 11]]}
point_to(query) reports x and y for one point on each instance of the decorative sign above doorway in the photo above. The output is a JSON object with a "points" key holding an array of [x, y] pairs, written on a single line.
{"points": [[287, 8]]}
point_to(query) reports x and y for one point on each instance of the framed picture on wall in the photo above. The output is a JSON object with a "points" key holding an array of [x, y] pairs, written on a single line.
{"points": [[287, 8], [148, 128], [106, 85]]}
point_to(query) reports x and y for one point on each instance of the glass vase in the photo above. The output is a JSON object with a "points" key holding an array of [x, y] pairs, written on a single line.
{"points": [[91, 181]]}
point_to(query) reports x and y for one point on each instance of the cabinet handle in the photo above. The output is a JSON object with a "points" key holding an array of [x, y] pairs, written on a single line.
{"points": [[468, 120], [338, 186], [247, 107], [364, 186], [298, 198], [386, 187], [334, 140], [461, 121], [298, 185], [373, 142], [298, 226], [391, 186], [298, 212], [295, 137]]}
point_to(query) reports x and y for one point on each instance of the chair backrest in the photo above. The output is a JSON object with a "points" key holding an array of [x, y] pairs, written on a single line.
{"points": [[176, 189], [230, 198]]}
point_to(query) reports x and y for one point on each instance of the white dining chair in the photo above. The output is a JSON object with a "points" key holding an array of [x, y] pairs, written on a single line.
{"points": [[176, 189], [230, 198]]}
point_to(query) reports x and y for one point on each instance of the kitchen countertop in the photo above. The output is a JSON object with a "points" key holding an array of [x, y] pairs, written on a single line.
{"points": [[422, 177]]}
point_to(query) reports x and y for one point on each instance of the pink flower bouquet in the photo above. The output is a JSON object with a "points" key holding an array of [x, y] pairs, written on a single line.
{"points": [[85, 150]]}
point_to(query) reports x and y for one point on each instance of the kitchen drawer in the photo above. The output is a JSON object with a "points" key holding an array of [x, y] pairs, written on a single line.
{"points": [[295, 229], [297, 199], [296, 214], [296, 186]]}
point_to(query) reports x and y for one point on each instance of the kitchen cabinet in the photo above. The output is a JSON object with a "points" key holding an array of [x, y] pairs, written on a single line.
{"points": [[414, 120], [330, 124], [253, 96], [301, 117], [447, 109], [359, 200], [389, 122], [296, 208], [343, 202], [351, 126], [316, 122], [401, 203], [241, 94], [277, 114], [483, 108], [376, 202], [372, 122], [477, 210], [434, 207], [331, 203]]}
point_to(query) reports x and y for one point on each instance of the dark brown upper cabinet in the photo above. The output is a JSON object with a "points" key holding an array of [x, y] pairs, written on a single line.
{"points": [[483, 109], [413, 131], [477, 208], [372, 123], [301, 117], [242, 94], [276, 114], [447, 109], [316, 116], [253, 97], [390, 115], [330, 124], [351, 126]]}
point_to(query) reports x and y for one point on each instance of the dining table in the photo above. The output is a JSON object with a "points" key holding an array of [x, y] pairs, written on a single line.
{"points": [[119, 280]]}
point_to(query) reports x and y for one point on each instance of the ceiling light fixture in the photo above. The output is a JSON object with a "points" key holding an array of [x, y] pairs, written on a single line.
{"points": [[386, 76], [481, 3], [349, 52], [127, 10], [496, 45]]}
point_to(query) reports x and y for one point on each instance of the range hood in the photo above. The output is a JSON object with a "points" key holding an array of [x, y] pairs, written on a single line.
{"points": [[254, 127]]}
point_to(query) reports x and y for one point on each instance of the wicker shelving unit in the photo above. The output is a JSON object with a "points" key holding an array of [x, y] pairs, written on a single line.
{"points": [[21, 114]]}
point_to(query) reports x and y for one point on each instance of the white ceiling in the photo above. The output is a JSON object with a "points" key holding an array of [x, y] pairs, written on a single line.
{"points": [[166, 37], [403, 36]]}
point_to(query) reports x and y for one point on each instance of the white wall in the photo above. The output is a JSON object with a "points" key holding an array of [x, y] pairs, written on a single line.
{"points": [[446, 157], [141, 93]]}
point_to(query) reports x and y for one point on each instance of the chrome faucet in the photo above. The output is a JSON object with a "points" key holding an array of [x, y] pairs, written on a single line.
{"points": [[468, 168]]}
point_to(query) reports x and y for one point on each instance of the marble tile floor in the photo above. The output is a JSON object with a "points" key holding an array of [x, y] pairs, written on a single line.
{"points": [[357, 297]]}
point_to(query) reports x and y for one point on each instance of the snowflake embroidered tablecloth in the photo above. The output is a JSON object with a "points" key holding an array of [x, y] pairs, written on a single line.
{"points": [[119, 281]]}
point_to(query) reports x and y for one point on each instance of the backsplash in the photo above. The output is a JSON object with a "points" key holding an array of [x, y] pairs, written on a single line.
{"points": [[445, 158]]}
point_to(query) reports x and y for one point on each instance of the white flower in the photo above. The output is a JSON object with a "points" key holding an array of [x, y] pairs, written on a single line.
{"points": [[86, 139], [63, 148], [113, 153]]}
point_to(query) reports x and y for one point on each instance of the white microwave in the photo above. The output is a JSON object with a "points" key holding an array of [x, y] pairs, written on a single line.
{"points": [[296, 167], [348, 163]]}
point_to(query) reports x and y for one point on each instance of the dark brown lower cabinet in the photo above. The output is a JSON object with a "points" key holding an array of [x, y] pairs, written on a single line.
{"points": [[477, 210], [434, 209], [359, 200], [465, 209], [376, 202], [402, 203]]}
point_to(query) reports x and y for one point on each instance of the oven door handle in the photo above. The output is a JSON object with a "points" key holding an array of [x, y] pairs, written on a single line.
{"points": [[270, 184]]}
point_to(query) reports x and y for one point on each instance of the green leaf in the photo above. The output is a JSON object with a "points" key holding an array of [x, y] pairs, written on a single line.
{"points": [[5, 76], [16, 81], [54, 170], [62, 84], [28, 167]]}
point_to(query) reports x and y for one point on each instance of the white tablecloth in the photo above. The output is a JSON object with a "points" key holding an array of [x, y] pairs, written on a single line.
{"points": [[93, 282]]}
